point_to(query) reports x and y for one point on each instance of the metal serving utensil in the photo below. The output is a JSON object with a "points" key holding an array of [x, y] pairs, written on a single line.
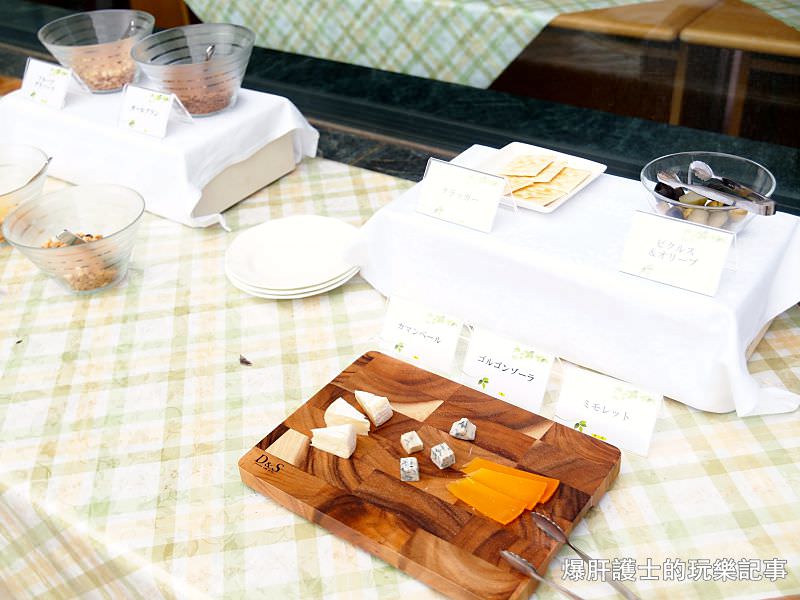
{"points": [[705, 174], [759, 208], [553, 530], [69, 238], [523, 566]]}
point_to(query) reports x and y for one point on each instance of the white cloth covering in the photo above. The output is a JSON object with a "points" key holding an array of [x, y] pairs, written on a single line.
{"points": [[552, 280], [170, 172]]}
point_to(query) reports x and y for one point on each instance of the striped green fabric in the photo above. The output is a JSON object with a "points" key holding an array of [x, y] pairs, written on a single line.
{"points": [[123, 416], [460, 41]]}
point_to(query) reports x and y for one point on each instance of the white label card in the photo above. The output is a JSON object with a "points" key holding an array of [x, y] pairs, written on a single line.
{"points": [[46, 83], [678, 253], [145, 111], [460, 195], [419, 335], [507, 370], [608, 409]]}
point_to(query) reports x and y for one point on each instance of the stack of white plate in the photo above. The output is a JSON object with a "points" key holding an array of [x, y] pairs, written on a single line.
{"points": [[291, 258]]}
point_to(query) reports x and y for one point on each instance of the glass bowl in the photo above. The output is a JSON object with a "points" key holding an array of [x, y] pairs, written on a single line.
{"points": [[203, 65], [112, 211], [23, 171], [740, 169], [97, 45]]}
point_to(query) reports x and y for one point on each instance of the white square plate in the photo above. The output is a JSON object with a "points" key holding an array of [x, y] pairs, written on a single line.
{"points": [[515, 149]]}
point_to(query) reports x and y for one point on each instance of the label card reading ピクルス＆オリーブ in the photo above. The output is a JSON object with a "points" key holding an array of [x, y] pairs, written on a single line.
{"points": [[678, 253], [46, 83], [460, 195]]}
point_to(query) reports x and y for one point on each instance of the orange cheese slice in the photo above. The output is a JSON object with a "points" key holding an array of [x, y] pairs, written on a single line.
{"points": [[523, 489], [487, 501], [482, 463]]}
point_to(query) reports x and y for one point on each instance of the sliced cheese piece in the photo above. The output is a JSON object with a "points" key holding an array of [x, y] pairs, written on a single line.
{"points": [[523, 489], [482, 463], [411, 442], [487, 501], [336, 439], [409, 469], [377, 407], [340, 412]]}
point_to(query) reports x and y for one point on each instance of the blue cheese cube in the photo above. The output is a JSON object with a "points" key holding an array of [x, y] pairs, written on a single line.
{"points": [[409, 469], [411, 442], [463, 429], [442, 456]]}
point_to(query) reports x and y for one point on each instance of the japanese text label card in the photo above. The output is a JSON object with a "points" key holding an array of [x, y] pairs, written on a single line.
{"points": [[46, 83], [419, 335], [507, 370], [460, 195], [678, 253], [145, 111], [608, 409]]}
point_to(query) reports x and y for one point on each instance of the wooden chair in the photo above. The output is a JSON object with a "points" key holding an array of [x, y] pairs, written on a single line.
{"points": [[168, 13]]}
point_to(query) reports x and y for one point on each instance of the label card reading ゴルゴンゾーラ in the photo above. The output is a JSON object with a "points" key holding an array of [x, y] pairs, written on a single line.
{"points": [[607, 408], [507, 370], [460, 195], [46, 83], [678, 253], [420, 336]]}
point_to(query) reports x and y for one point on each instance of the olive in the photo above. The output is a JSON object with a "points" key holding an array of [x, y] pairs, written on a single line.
{"points": [[675, 212], [666, 190]]}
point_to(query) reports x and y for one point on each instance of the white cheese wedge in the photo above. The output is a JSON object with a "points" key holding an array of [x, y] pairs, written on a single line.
{"points": [[377, 407], [409, 469], [336, 439], [463, 429], [442, 456], [411, 442], [340, 412]]}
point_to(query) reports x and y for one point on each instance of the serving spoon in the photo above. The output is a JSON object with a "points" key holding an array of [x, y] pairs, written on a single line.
{"points": [[553, 530], [705, 174], [525, 567], [726, 198]]}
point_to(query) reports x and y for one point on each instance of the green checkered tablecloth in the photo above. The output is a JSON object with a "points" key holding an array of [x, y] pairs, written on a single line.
{"points": [[123, 416], [461, 41]]}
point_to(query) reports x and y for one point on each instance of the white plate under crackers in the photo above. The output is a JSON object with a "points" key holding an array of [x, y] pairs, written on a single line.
{"points": [[516, 149]]}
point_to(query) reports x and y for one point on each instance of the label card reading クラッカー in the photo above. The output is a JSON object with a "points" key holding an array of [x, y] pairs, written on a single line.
{"points": [[507, 370], [46, 83], [608, 409], [460, 195], [145, 111], [419, 335], [675, 252]]}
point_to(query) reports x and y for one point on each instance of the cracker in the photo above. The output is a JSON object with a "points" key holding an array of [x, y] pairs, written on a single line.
{"points": [[568, 179], [550, 171], [527, 165], [539, 193], [516, 182]]}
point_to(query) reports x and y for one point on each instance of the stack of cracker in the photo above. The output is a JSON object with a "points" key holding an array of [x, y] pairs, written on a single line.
{"points": [[540, 179]]}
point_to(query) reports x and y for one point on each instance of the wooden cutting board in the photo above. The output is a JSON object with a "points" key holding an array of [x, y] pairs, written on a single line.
{"points": [[420, 527]]}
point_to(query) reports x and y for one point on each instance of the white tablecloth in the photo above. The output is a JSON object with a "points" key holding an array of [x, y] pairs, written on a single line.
{"points": [[552, 280], [170, 173]]}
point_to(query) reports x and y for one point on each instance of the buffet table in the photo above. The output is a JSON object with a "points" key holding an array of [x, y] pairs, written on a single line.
{"points": [[469, 43], [123, 416]]}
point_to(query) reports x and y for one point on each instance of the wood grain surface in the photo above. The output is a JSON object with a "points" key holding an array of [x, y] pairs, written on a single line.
{"points": [[420, 527]]}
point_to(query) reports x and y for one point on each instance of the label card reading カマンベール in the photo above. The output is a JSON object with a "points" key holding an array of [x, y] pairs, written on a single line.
{"points": [[46, 83], [145, 111], [607, 408], [460, 195], [419, 335], [678, 253], [507, 370]]}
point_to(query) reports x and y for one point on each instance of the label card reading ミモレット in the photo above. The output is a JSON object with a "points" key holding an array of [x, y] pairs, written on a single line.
{"points": [[607, 408], [675, 252], [46, 83], [460, 195], [507, 370], [145, 111], [419, 335]]}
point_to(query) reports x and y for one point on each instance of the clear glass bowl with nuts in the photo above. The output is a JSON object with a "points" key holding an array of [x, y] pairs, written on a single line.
{"points": [[677, 202], [96, 45], [23, 171], [104, 217], [203, 65]]}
